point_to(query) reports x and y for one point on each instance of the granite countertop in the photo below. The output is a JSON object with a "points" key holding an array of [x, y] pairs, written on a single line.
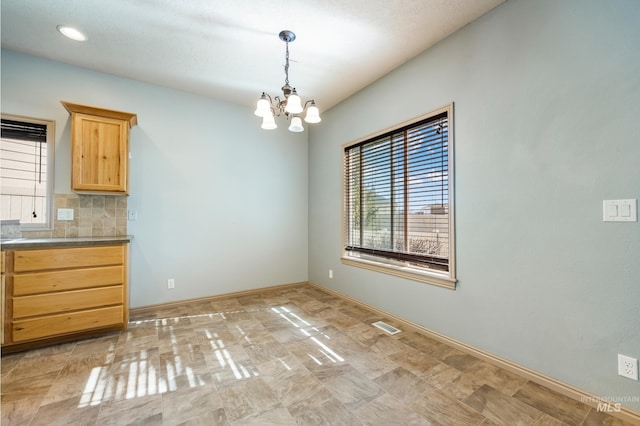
{"points": [[18, 243]]}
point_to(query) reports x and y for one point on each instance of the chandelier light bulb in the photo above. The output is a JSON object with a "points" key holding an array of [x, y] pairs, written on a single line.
{"points": [[294, 104], [268, 122], [263, 108], [313, 114], [296, 125]]}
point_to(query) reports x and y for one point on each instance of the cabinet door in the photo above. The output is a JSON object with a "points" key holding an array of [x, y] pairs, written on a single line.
{"points": [[100, 154], [60, 324], [68, 257]]}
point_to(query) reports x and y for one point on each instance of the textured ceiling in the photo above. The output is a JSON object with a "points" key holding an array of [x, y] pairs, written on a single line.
{"points": [[229, 49]]}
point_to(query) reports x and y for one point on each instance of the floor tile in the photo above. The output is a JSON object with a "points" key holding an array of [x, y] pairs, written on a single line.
{"points": [[420, 342], [143, 410], [415, 361], [189, 402], [75, 379], [267, 351], [547, 420], [552, 403], [274, 416], [501, 408], [37, 366], [20, 411], [387, 410], [352, 388], [370, 364], [65, 412], [297, 388], [595, 418], [211, 418], [455, 358], [23, 387], [483, 373], [403, 384], [379, 342], [248, 398], [330, 413], [9, 362], [341, 321], [441, 376], [440, 408]]}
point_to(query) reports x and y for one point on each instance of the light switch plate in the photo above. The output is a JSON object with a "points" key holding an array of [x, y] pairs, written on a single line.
{"points": [[620, 210], [65, 214]]}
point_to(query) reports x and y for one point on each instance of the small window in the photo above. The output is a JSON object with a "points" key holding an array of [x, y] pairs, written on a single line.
{"points": [[398, 200], [26, 171]]}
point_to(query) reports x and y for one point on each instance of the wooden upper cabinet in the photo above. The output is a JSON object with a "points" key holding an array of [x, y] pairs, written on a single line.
{"points": [[99, 148]]}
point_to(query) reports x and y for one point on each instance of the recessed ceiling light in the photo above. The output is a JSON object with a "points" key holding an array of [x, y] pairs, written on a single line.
{"points": [[71, 33]]}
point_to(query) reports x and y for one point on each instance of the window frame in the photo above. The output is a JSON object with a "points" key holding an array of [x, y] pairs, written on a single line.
{"points": [[50, 144], [396, 267]]}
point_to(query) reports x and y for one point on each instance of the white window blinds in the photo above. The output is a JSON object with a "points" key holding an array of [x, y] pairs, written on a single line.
{"points": [[397, 195], [23, 171]]}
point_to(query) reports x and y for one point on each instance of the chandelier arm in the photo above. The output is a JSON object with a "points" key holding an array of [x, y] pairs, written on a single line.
{"points": [[268, 96], [277, 106], [272, 107], [306, 104]]}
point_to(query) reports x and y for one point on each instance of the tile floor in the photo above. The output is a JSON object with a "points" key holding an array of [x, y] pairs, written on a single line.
{"points": [[291, 356]]}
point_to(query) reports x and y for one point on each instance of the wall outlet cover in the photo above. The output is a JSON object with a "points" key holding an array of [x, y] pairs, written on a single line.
{"points": [[65, 214], [628, 367]]}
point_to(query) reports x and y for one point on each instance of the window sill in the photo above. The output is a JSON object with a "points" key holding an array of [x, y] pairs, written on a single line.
{"points": [[411, 273]]}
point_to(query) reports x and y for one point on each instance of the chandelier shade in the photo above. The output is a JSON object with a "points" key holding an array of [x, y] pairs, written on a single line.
{"points": [[313, 114], [296, 125], [268, 122], [294, 104], [290, 105], [264, 107]]}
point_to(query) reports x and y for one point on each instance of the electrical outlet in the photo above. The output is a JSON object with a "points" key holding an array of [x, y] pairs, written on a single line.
{"points": [[627, 367], [330, 273], [171, 283], [65, 214]]}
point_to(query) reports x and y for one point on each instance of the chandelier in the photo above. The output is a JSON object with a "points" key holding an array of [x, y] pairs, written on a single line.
{"points": [[290, 105]]}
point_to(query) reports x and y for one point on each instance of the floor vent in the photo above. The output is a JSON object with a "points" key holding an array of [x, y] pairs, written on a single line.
{"points": [[386, 327]]}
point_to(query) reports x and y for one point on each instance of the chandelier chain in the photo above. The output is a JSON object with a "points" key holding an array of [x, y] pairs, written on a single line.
{"points": [[286, 66]]}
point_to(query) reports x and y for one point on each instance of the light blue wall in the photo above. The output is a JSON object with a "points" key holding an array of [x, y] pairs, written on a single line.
{"points": [[547, 113], [222, 204]]}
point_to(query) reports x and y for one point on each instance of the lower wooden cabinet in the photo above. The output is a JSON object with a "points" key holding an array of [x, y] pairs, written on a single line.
{"points": [[60, 294]]}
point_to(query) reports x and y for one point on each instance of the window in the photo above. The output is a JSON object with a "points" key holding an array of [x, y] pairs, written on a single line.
{"points": [[398, 200], [26, 171]]}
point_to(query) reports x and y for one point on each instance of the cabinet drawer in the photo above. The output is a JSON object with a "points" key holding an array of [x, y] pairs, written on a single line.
{"points": [[74, 257], [66, 301], [54, 325], [44, 282]]}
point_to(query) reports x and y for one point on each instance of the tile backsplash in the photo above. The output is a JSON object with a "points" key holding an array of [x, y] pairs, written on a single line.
{"points": [[93, 216], [10, 228]]}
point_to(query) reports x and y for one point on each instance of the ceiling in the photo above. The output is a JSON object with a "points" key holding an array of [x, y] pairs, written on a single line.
{"points": [[230, 50]]}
